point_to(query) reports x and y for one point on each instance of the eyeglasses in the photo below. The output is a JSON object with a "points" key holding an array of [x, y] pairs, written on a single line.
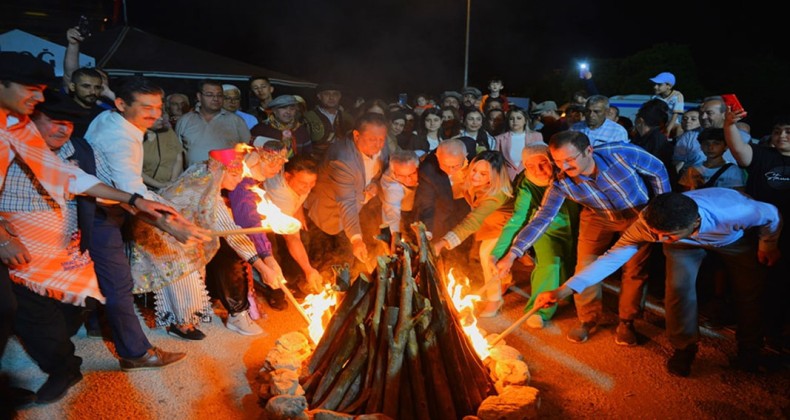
{"points": [[233, 98], [561, 163], [213, 95]]}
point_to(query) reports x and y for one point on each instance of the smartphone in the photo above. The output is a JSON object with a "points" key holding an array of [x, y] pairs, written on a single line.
{"points": [[582, 70], [732, 102], [84, 27], [402, 98]]}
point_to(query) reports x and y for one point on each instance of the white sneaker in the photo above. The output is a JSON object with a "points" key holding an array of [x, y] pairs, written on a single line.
{"points": [[535, 321], [242, 324]]}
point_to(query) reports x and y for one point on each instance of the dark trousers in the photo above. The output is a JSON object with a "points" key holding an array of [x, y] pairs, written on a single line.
{"points": [[8, 307], [228, 278], [115, 282], [45, 327], [747, 279]]}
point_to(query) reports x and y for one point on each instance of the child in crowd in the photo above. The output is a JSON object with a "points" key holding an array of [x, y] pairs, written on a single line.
{"points": [[715, 171]]}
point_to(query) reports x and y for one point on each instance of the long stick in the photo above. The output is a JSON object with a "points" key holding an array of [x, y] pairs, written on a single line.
{"points": [[246, 231], [293, 301], [515, 325]]}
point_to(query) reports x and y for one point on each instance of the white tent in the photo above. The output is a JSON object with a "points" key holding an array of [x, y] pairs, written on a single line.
{"points": [[49, 52]]}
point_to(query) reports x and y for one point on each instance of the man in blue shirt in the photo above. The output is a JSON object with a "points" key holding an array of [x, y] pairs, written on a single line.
{"points": [[690, 225], [612, 182]]}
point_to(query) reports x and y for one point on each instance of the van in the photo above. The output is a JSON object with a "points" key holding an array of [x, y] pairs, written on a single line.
{"points": [[629, 104]]}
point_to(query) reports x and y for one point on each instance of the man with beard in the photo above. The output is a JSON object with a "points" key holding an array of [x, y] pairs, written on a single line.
{"points": [[84, 88]]}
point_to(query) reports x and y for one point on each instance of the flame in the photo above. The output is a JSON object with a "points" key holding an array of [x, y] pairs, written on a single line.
{"points": [[465, 306], [273, 218], [319, 307]]}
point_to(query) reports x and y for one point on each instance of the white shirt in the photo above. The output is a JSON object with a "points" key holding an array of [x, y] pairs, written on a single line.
{"points": [[119, 148], [281, 194]]}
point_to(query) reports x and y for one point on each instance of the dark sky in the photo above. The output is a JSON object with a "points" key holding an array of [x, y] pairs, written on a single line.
{"points": [[418, 45]]}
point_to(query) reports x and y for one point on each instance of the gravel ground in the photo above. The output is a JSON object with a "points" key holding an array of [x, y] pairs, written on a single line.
{"points": [[597, 379]]}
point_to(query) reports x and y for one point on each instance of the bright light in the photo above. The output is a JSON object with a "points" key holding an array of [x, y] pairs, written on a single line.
{"points": [[465, 305]]}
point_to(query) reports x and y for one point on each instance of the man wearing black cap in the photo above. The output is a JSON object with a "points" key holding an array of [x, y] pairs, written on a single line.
{"points": [[32, 256], [327, 122], [283, 125]]}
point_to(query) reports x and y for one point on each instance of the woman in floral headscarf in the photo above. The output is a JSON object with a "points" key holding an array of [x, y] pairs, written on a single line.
{"points": [[176, 273]]}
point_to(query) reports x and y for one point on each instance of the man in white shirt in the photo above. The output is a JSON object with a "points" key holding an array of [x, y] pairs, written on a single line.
{"points": [[117, 140]]}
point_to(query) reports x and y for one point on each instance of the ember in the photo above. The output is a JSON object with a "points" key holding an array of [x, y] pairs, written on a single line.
{"points": [[396, 345]]}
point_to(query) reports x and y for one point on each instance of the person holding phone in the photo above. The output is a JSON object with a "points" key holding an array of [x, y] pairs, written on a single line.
{"points": [[687, 151], [768, 180]]}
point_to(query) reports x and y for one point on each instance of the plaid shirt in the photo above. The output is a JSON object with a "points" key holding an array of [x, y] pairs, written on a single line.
{"points": [[29, 195], [618, 191]]}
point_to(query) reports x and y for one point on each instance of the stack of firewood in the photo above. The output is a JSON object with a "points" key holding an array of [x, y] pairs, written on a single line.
{"points": [[395, 346]]}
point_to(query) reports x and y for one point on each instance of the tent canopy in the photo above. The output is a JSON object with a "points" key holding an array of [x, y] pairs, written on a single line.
{"points": [[126, 51]]}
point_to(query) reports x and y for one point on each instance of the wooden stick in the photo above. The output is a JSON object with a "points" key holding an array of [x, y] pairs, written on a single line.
{"points": [[293, 301], [515, 325], [232, 232]]}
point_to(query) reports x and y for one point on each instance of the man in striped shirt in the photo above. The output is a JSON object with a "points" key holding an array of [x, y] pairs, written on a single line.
{"points": [[612, 182]]}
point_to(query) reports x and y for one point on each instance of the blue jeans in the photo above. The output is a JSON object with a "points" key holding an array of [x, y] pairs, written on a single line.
{"points": [[746, 277], [115, 282]]}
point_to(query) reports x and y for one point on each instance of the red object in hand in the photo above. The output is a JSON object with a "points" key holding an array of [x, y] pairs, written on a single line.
{"points": [[732, 102]]}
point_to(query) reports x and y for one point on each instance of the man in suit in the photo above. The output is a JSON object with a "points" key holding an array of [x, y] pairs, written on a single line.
{"points": [[438, 200], [345, 193]]}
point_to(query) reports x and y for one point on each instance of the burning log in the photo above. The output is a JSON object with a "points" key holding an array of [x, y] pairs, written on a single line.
{"points": [[396, 346]]}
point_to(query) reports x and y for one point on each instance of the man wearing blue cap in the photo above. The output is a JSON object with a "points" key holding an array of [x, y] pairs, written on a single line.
{"points": [[665, 90]]}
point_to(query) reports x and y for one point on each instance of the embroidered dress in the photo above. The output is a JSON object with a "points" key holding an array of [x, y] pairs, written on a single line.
{"points": [[174, 272]]}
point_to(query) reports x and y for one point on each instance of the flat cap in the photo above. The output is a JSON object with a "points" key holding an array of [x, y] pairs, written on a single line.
{"points": [[281, 101], [60, 107], [25, 69]]}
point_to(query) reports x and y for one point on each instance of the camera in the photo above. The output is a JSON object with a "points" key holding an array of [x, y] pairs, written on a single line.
{"points": [[84, 27]]}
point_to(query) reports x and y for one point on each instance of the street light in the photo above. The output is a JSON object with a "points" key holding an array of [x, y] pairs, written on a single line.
{"points": [[466, 55]]}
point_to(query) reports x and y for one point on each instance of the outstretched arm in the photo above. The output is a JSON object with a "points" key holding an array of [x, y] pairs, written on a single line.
{"points": [[741, 151]]}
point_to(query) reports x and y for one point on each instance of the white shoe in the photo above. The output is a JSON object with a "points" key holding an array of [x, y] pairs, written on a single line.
{"points": [[535, 321], [242, 324]]}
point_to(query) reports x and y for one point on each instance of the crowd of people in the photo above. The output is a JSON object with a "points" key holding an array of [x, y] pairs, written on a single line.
{"points": [[113, 188]]}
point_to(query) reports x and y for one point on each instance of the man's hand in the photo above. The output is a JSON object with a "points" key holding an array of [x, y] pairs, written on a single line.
{"points": [[768, 257], [153, 208], [270, 273], [546, 299], [439, 246], [503, 265], [370, 191], [732, 117], [14, 253], [183, 230], [360, 250], [315, 280], [73, 36]]}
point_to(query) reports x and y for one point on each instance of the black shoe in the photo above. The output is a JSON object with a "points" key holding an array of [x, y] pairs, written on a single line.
{"points": [[190, 334], [56, 387], [13, 398], [680, 362], [625, 335], [275, 298], [747, 361]]}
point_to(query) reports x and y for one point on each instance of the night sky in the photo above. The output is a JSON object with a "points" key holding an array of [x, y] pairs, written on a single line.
{"points": [[381, 48]]}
